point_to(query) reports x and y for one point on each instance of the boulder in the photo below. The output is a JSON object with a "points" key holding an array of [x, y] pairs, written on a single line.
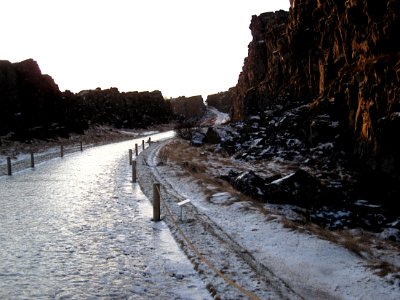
{"points": [[298, 188], [212, 136], [248, 183], [197, 139]]}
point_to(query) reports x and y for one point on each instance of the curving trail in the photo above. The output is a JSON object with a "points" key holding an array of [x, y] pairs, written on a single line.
{"points": [[78, 228]]}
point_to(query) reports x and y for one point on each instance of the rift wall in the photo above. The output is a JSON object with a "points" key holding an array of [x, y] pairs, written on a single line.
{"points": [[342, 57]]}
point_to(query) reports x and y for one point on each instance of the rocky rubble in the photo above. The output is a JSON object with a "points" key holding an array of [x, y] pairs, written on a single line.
{"points": [[321, 176]]}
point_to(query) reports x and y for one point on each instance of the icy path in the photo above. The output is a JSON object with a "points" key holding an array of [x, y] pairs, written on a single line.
{"points": [[78, 228]]}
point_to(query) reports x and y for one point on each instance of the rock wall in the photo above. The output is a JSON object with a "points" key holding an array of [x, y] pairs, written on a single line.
{"points": [[188, 107], [32, 106], [264, 73], [122, 110], [221, 101], [29, 100], [341, 57]]}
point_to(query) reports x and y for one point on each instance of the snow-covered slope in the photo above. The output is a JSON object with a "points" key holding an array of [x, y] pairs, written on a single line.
{"points": [[309, 267]]}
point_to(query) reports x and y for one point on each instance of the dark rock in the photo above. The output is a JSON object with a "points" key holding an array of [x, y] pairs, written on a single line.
{"points": [[212, 136], [347, 66], [188, 107], [28, 99], [322, 93], [248, 183], [122, 110], [32, 106], [197, 139], [299, 188]]}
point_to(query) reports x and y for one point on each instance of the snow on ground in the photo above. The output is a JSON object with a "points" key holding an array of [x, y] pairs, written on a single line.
{"points": [[311, 267], [222, 118]]}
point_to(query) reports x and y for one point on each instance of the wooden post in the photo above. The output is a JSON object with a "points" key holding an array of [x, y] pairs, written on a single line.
{"points": [[134, 171], [32, 160], [143, 144], [136, 150], [156, 202], [130, 156], [62, 151], [9, 172], [81, 144], [149, 140]]}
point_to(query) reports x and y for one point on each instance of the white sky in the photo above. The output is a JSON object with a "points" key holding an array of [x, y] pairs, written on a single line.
{"points": [[180, 47]]}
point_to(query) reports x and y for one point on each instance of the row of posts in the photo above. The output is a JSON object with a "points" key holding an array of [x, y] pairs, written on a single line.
{"points": [[9, 166], [156, 186], [132, 162]]}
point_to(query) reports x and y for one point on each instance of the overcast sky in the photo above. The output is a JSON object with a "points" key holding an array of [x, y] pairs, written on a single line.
{"points": [[180, 47]]}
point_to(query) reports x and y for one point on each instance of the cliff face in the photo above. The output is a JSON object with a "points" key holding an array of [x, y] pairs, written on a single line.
{"points": [[188, 107], [32, 106], [122, 110], [28, 99], [264, 71], [340, 57]]}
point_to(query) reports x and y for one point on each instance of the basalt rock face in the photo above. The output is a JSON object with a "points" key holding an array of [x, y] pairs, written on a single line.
{"points": [[32, 106], [121, 110], [264, 71], [339, 58], [188, 107], [29, 101]]}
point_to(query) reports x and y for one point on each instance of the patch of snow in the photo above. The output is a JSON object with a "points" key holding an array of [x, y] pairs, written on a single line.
{"points": [[325, 146], [395, 115], [221, 198], [279, 181], [255, 142], [293, 142], [365, 203], [334, 124]]}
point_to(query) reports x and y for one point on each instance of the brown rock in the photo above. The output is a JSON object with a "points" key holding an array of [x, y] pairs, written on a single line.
{"points": [[188, 107], [343, 57], [221, 101]]}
